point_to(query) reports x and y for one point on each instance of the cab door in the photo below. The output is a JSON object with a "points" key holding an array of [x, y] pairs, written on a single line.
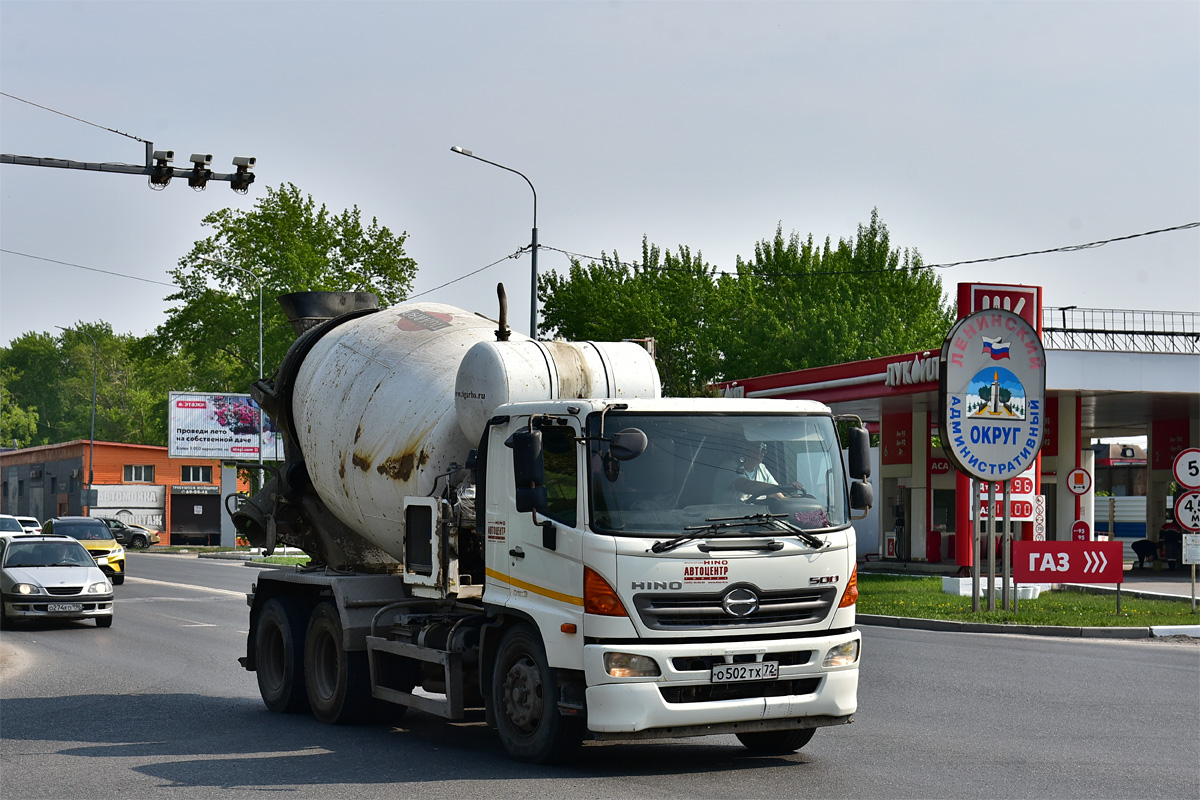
{"points": [[542, 553]]}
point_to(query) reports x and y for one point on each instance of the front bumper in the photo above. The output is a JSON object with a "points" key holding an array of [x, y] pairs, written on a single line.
{"points": [[111, 567], [38, 606], [683, 701]]}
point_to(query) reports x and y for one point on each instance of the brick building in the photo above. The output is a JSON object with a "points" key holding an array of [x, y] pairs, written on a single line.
{"points": [[136, 483]]}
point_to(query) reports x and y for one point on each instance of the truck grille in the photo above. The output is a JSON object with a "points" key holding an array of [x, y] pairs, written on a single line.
{"points": [[738, 691], [676, 612]]}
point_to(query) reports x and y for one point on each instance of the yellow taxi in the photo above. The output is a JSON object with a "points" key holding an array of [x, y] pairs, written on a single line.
{"points": [[94, 535]]}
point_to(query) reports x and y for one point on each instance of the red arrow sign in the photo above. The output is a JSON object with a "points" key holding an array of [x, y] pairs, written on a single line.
{"points": [[1068, 562]]}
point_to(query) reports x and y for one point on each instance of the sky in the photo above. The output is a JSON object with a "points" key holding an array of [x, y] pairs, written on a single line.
{"points": [[976, 129]]}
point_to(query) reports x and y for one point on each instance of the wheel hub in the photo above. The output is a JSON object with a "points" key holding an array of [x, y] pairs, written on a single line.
{"points": [[523, 695]]}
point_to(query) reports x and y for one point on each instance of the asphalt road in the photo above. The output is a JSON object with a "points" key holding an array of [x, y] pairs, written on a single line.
{"points": [[158, 707]]}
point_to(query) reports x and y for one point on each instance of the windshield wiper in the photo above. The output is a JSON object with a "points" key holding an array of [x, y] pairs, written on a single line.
{"points": [[720, 526]]}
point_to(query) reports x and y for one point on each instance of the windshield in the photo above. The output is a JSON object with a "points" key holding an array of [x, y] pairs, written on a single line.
{"points": [[700, 467], [10, 524], [85, 530], [47, 554]]}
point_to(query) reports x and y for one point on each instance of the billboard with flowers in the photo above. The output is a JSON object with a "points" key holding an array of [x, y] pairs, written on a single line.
{"points": [[224, 426]]}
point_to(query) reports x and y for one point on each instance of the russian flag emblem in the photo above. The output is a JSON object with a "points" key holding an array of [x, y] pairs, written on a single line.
{"points": [[995, 348]]}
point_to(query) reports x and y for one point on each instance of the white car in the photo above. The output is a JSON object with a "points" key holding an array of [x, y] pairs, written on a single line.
{"points": [[51, 577], [30, 524]]}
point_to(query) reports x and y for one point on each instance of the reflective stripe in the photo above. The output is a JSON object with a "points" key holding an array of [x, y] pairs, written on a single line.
{"points": [[511, 581]]}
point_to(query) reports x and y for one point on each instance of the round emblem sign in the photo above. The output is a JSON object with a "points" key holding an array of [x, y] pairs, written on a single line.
{"points": [[993, 394]]}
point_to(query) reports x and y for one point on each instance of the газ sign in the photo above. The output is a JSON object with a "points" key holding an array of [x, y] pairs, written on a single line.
{"points": [[992, 393], [1068, 562]]}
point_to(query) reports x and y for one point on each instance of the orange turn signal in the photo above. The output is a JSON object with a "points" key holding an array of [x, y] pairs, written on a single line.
{"points": [[599, 597], [851, 595]]}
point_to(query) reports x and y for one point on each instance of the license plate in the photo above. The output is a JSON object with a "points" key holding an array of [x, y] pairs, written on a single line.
{"points": [[65, 607], [753, 671]]}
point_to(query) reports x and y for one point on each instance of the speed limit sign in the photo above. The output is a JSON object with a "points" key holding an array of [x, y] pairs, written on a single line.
{"points": [[1187, 468], [1187, 511]]}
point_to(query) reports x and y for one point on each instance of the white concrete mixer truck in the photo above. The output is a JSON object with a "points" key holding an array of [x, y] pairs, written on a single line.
{"points": [[528, 532]]}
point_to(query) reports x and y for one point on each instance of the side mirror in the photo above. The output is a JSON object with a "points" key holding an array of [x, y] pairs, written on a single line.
{"points": [[859, 447], [628, 444], [534, 499], [528, 467], [862, 495]]}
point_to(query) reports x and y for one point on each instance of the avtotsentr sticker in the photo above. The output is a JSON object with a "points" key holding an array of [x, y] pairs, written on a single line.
{"points": [[993, 389], [709, 571]]}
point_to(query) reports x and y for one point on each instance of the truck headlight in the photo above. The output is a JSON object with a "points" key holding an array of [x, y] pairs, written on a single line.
{"points": [[628, 665], [26, 588], [843, 655]]}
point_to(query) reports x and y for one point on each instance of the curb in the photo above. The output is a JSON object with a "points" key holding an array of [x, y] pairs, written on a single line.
{"points": [[1130, 632]]}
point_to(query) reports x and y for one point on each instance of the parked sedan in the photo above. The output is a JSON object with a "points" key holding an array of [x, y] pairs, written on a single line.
{"points": [[99, 541], [51, 577], [131, 534], [30, 524]]}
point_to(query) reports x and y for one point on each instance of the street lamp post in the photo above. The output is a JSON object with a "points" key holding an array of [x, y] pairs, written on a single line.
{"points": [[92, 437], [260, 342], [533, 306]]}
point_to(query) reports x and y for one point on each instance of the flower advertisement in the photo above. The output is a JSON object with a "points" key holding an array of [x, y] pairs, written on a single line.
{"points": [[224, 426]]}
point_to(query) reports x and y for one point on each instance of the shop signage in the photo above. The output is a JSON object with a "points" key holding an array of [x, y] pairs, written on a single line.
{"points": [[1068, 562], [198, 488], [992, 394], [922, 369]]}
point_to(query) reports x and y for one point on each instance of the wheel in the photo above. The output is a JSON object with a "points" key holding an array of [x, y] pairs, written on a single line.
{"points": [[104, 622], [118, 579], [777, 742], [279, 661], [525, 698], [339, 682], [139, 542]]}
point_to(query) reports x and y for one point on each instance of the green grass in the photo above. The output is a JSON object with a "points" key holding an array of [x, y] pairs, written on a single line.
{"points": [[923, 598], [282, 560]]}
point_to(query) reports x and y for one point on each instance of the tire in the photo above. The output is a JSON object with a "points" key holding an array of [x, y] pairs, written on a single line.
{"points": [[279, 659], [139, 542], [525, 699], [104, 622], [117, 580], [338, 682], [777, 742]]}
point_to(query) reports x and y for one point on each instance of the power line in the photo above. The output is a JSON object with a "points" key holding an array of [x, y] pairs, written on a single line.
{"points": [[68, 116], [469, 274], [89, 269], [1064, 249]]}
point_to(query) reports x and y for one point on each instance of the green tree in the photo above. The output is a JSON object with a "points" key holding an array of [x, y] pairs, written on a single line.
{"points": [[33, 367], [291, 245], [18, 426], [793, 306], [797, 306], [54, 374], [665, 298]]}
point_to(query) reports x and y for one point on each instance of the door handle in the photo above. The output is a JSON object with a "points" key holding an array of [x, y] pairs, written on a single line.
{"points": [[517, 552]]}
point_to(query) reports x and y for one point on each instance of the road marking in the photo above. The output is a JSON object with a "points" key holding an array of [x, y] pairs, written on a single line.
{"points": [[132, 579]]}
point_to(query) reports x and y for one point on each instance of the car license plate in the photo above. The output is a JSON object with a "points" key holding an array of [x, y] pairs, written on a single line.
{"points": [[64, 607], [752, 671]]}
